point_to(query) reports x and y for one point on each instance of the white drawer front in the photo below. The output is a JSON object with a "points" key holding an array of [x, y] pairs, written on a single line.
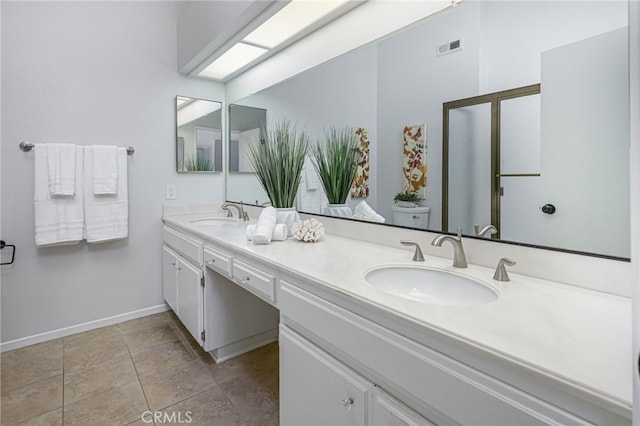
{"points": [[218, 261], [316, 389], [459, 392], [187, 247], [256, 281]]}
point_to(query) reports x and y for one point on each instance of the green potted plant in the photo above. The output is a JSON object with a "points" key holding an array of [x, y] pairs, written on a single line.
{"points": [[406, 199], [198, 164], [277, 161], [336, 161]]}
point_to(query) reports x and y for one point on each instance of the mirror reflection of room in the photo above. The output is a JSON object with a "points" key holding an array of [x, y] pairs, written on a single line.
{"points": [[198, 135], [475, 49], [246, 125]]}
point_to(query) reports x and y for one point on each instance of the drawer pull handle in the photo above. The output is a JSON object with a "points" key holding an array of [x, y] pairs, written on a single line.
{"points": [[211, 261], [178, 269], [245, 280], [348, 403]]}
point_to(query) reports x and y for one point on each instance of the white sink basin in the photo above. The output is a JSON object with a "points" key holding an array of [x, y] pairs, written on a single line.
{"points": [[430, 285], [215, 221]]}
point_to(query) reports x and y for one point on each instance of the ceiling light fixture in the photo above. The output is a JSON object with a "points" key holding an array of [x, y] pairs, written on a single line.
{"points": [[239, 55], [289, 24], [291, 20]]}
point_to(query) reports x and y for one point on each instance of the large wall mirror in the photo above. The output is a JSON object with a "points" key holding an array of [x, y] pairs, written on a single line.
{"points": [[198, 135], [565, 146]]}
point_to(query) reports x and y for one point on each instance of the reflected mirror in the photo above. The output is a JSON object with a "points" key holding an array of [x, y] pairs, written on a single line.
{"points": [[563, 147], [245, 128], [198, 135]]}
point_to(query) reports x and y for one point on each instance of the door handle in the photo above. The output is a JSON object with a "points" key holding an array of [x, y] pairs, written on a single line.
{"points": [[548, 209]]}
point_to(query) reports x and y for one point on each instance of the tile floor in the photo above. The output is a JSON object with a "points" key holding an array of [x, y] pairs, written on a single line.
{"points": [[113, 375]]}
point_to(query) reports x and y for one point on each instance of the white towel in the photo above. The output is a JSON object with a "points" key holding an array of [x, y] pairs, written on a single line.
{"points": [[61, 167], [59, 220], [364, 212], [106, 216], [279, 232], [264, 227], [105, 169]]}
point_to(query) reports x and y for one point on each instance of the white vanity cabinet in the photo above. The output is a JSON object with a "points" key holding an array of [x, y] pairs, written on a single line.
{"points": [[236, 321], [347, 358], [183, 280], [436, 386], [317, 389], [223, 318]]}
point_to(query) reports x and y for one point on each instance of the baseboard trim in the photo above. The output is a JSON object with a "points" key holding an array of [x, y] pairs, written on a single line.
{"points": [[67, 331]]}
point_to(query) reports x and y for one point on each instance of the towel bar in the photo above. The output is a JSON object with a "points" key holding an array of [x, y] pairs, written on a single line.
{"points": [[28, 146]]}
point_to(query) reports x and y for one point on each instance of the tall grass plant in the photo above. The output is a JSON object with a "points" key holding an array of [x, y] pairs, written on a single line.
{"points": [[278, 160], [336, 161]]}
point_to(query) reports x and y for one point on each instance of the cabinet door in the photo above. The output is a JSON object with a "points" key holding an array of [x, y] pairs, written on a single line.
{"points": [[388, 411], [315, 388], [169, 277], [190, 296]]}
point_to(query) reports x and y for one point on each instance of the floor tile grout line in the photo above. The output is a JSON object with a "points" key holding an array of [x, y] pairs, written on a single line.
{"points": [[146, 400]]}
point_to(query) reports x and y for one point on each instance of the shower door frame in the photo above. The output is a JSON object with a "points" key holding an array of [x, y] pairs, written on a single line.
{"points": [[494, 99]]}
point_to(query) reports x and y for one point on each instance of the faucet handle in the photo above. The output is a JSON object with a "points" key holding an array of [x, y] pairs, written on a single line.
{"points": [[459, 233], [501, 271], [417, 255]]}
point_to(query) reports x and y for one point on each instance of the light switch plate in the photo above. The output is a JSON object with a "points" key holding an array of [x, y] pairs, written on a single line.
{"points": [[171, 191]]}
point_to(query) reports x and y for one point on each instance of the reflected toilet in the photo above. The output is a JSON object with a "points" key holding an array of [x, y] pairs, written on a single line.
{"points": [[413, 217]]}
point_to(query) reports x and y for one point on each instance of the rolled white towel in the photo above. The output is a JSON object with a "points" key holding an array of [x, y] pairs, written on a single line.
{"points": [[264, 227], [279, 232], [364, 212]]}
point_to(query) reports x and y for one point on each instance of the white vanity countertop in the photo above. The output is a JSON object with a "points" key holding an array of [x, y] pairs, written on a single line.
{"points": [[578, 337]]}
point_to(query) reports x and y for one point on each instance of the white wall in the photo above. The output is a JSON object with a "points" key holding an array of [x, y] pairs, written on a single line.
{"points": [[515, 32], [412, 85], [339, 93], [103, 73]]}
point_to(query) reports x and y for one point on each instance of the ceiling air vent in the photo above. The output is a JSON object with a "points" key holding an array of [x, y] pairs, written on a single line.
{"points": [[452, 46]]}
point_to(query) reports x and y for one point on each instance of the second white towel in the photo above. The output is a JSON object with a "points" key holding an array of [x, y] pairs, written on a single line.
{"points": [[104, 159], [264, 227], [106, 216], [279, 232]]}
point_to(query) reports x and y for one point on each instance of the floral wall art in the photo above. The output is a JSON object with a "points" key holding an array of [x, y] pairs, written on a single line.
{"points": [[360, 186], [414, 165]]}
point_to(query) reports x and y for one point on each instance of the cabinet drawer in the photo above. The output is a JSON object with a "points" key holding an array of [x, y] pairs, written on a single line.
{"points": [[415, 369], [184, 245], [317, 389], [256, 281], [218, 261]]}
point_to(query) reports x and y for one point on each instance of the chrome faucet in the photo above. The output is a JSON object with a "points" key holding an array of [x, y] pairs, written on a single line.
{"points": [[459, 259], [242, 215], [489, 229]]}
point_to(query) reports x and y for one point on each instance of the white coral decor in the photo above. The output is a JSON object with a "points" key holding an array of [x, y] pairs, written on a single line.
{"points": [[309, 230]]}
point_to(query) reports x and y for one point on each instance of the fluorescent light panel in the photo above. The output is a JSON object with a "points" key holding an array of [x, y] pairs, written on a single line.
{"points": [[194, 110], [290, 20], [295, 17], [232, 60]]}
